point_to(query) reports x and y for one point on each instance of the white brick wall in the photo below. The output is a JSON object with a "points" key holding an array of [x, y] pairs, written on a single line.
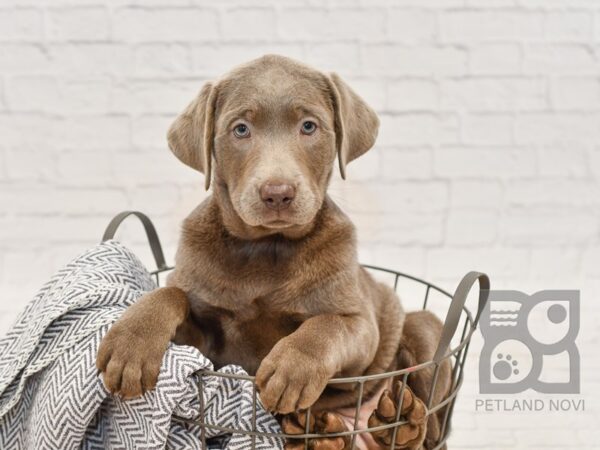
{"points": [[488, 158]]}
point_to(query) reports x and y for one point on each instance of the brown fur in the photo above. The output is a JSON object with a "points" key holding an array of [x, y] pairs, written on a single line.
{"points": [[279, 292]]}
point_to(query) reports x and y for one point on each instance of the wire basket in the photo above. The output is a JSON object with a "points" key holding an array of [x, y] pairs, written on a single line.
{"points": [[452, 347]]}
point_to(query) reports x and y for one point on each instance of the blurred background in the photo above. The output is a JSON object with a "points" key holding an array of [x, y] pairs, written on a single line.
{"points": [[488, 156]]}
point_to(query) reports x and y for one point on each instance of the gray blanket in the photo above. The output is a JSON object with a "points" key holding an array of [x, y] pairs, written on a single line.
{"points": [[51, 396]]}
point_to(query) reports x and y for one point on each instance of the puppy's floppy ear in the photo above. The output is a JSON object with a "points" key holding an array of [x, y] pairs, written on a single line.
{"points": [[192, 134], [356, 124]]}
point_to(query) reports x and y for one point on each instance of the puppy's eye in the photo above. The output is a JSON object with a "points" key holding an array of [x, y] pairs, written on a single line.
{"points": [[241, 131], [308, 127]]}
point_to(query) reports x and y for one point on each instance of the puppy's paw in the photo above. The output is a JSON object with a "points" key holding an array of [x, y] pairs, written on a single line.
{"points": [[289, 379], [409, 435], [323, 423], [130, 358]]}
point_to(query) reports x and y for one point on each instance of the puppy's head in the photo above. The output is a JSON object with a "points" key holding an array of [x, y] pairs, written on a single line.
{"points": [[270, 131]]}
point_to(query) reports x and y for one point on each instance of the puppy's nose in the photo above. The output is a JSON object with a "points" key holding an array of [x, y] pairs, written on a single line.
{"points": [[277, 196]]}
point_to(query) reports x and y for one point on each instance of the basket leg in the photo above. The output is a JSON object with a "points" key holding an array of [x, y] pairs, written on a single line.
{"points": [[399, 410], [457, 378], [436, 374], [307, 427], [361, 388]]}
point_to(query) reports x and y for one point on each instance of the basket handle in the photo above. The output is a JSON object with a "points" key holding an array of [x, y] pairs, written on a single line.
{"points": [[458, 302], [153, 239]]}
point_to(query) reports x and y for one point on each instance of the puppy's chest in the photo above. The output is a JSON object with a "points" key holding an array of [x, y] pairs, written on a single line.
{"points": [[246, 334], [261, 323], [244, 308]]}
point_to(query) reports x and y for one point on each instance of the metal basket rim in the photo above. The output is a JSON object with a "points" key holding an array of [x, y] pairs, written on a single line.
{"points": [[443, 353], [383, 375]]}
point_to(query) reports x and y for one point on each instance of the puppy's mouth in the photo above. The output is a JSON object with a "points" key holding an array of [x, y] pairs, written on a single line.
{"points": [[279, 219], [278, 224], [276, 220], [282, 219]]}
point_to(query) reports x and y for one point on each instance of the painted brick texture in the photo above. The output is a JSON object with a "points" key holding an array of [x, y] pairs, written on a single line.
{"points": [[488, 156]]}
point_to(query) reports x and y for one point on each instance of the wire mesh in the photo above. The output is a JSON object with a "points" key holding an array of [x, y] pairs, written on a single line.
{"points": [[456, 354]]}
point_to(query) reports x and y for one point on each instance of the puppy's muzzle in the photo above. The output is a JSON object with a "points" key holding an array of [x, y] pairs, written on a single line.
{"points": [[277, 196]]}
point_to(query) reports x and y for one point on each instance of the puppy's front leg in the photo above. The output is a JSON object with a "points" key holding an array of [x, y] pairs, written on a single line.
{"points": [[131, 353], [294, 373]]}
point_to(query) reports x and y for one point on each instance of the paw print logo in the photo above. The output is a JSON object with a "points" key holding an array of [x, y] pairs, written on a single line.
{"points": [[505, 367], [526, 339]]}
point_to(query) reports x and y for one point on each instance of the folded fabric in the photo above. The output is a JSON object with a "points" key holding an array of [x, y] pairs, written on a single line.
{"points": [[51, 396]]}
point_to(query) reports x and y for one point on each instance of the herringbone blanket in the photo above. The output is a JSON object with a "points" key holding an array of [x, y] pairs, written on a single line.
{"points": [[51, 396]]}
